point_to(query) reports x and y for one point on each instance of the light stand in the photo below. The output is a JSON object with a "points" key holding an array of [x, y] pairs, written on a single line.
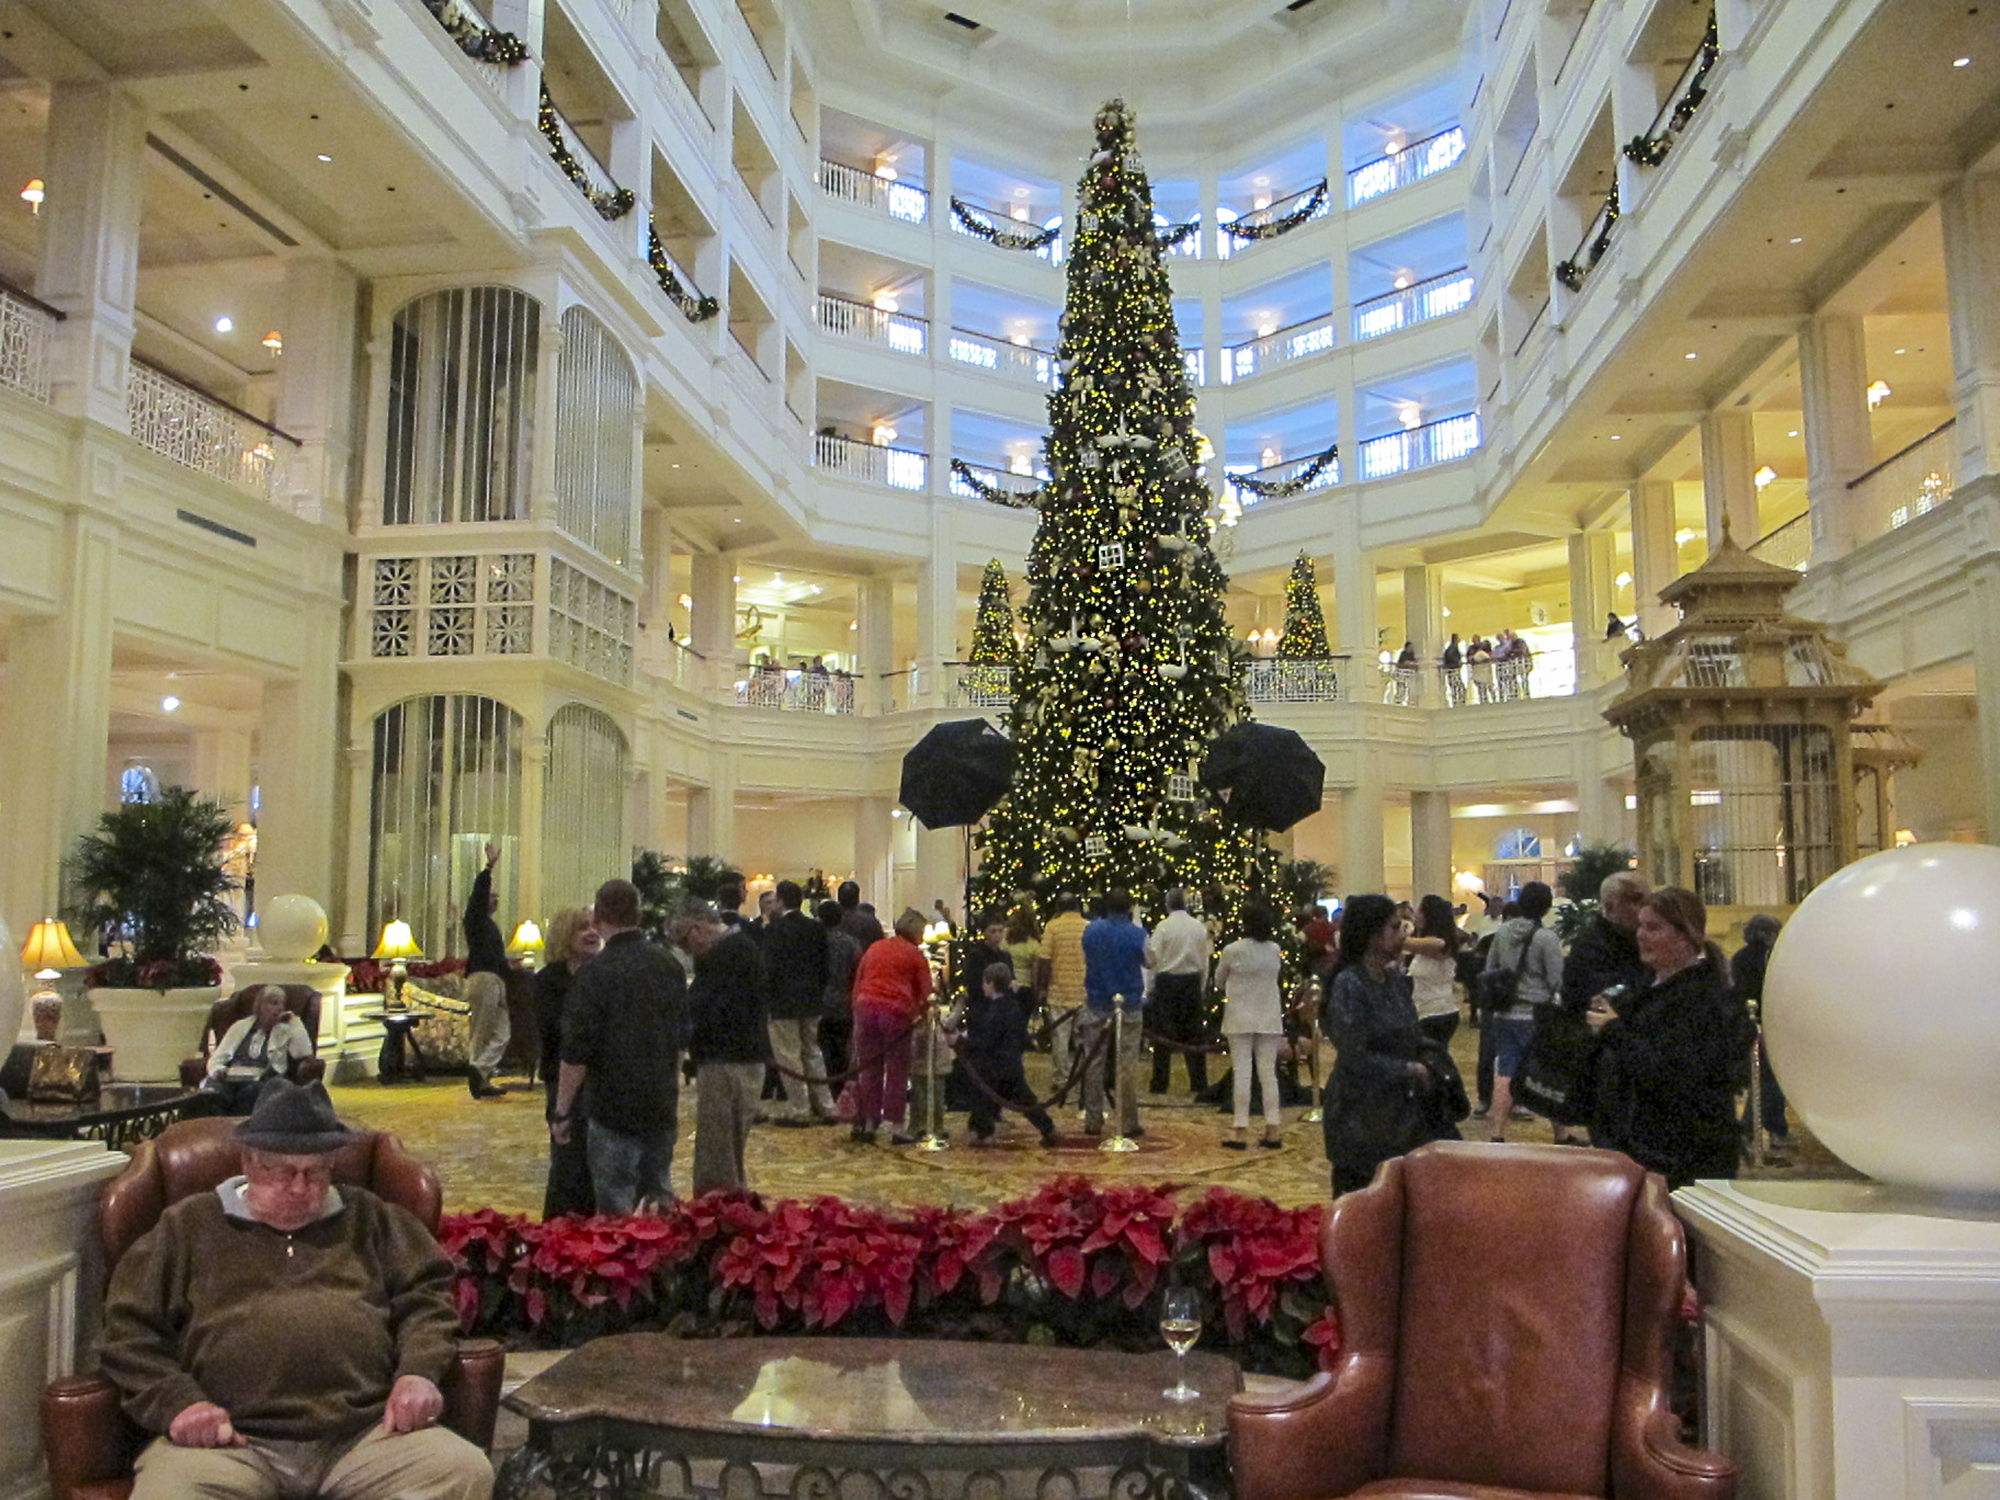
{"points": [[1318, 1111], [934, 1139], [1121, 1142]]}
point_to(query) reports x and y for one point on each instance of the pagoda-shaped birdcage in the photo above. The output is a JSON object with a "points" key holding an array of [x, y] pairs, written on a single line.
{"points": [[1740, 719]]}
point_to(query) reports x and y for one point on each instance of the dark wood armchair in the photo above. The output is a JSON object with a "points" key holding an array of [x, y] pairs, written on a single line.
{"points": [[302, 1000], [89, 1442], [1507, 1316]]}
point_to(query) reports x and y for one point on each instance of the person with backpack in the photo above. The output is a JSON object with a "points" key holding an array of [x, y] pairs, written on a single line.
{"points": [[1524, 969]]}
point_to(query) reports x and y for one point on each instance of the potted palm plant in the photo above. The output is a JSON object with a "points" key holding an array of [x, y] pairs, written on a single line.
{"points": [[151, 883]]}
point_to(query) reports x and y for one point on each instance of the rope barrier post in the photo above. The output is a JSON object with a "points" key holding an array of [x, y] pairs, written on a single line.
{"points": [[1121, 1142], [934, 1139], [1318, 1111], [1755, 1146]]}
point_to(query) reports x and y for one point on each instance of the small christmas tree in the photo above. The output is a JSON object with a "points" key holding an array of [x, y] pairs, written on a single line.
{"points": [[993, 632], [1305, 626], [1129, 669]]}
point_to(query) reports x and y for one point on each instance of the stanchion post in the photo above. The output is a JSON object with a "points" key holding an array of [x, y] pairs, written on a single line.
{"points": [[934, 1138], [1755, 1145], [1120, 1142], [1318, 1111]]}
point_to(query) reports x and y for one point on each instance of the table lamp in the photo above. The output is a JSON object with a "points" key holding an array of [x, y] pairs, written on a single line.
{"points": [[398, 946], [48, 951], [527, 942]]}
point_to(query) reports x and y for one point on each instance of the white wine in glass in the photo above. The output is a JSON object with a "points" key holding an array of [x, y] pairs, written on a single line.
{"points": [[1180, 1326]]}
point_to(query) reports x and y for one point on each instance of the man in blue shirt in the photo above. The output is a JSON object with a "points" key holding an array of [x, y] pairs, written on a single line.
{"points": [[1114, 976]]}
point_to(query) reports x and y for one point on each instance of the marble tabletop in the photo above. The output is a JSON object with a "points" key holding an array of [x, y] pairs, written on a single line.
{"points": [[931, 1391]]}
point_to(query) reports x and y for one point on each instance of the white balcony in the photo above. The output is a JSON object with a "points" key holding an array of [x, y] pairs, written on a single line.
{"points": [[871, 325], [1400, 169], [795, 690], [1235, 233], [27, 329], [1905, 485], [1020, 362], [1439, 442], [204, 433], [882, 195], [1275, 350], [1436, 297], [871, 463]]}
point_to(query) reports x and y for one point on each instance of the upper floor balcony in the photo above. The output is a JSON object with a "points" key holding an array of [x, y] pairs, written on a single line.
{"points": [[200, 431], [870, 191], [865, 324], [1435, 297], [1286, 346], [1440, 442], [871, 463], [1401, 169], [27, 334]]}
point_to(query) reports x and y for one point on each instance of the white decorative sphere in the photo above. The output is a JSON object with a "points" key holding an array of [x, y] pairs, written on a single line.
{"points": [[1881, 1018], [13, 996], [292, 928]]}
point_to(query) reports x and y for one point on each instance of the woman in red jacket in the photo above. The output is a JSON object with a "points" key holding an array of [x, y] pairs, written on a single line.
{"points": [[891, 988]]}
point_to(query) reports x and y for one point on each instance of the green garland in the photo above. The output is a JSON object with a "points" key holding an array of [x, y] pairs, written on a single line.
{"points": [[1651, 150], [1017, 499], [610, 203], [1283, 489], [501, 48], [694, 306], [1571, 273], [1166, 239], [1272, 228], [975, 220]]}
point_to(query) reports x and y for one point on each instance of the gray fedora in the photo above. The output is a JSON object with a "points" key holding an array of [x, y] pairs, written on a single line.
{"points": [[293, 1119]]}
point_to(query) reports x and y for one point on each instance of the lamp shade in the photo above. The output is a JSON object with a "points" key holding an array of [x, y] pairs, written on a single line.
{"points": [[49, 947], [527, 939], [397, 943]]}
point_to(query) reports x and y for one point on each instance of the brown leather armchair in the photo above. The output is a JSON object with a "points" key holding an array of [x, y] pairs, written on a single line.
{"points": [[1507, 1316], [89, 1442], [302, 1000]]}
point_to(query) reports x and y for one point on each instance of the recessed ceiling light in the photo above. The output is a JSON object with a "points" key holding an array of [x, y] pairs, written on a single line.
{"points": [[1961, 62], [1902, 351], [323, 157], [737, 519], [1617, 437], [225, 324], [1793, 433], [736, 578], [1690, 355], [169, 703], [1798, 239]]}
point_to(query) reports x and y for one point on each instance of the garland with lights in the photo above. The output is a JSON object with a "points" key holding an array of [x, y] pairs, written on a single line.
{"points": [[1166, 239], [480, 43], [1284, 489], [1018, 499], [1305, 622], [980, 223], [1651, 150], [610, 203], [1571, 273], [695, 307], [993, 642], [1270, 229], [1128, 669]]}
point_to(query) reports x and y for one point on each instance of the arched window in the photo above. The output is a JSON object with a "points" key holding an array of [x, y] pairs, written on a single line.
{"points": [[597, 405], [1519, 843], [447, 780], [583, 807], [138, 784], [461, 406]]}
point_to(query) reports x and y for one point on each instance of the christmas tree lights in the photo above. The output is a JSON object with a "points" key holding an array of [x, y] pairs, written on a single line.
{"points": [[1305, 624], [1128, 668]]}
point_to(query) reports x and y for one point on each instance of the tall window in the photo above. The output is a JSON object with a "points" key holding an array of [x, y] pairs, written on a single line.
{"points": [[597, 405], [583, 806], [461, 406], [447, 779]]}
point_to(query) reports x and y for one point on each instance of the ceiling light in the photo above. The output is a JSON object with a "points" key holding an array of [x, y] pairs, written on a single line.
{"points": [[1902, 351], [1261, 201], [886, 302], [737, 519], [736, 578], [1260, 182], [1961, 62], [1402, 281], [274, 341], [1411, 415], [1617, 437], [1020, 192], [225, 324], [1764, 476], [685, 601], [169, 703], [1683, 536], [883, 434], [1266, 328], [34, 193], [1878, 391], [1798, 239], [322, 156], [855, 625], [1794, 432], [1690, 355], [1623, 581], [1018, 213]]}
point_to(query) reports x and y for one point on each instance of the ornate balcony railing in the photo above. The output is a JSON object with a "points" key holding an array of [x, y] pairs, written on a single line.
{"points": [[871, 325], [1235, 236], [976, 481], [1195, 362], [1399, 169], [999, 357], [576, 162], [1438, 442], [796, 690], [1326, 679], [1788, 546], [204, 432], [978, 686], [882, 195], [872, 463], [999, 226], [1435, 297], [1596, 240], [27, 329], [1285, 346], [1683, 100], [1910, 483], [1281, 481]]}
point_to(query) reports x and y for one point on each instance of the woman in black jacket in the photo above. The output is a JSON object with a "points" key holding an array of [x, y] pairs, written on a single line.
{"points": [[573, 941], [1671, 1055]]}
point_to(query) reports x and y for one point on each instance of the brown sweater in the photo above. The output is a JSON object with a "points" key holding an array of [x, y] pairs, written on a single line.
{"points": [[305, 1344]]}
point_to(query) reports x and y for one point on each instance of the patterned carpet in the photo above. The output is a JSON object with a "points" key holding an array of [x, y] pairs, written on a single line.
{"points": [[493, 1153]]}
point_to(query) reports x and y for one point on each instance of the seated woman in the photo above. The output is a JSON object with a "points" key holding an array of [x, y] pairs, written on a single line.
{"points": [[264, 1044]]}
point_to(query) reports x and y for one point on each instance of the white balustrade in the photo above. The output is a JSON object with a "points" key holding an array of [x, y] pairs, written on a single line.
{"points": [[872, 463], [1437, 297], [796, 690], [1438, 442], [1288, 470], [1412, 164], [27, 329], [1195, 362], [1022, 485], [1004, 222], [1228, 245], [1282, 347], [1907, 484], [871, 325], [1787, 546], [883, 195], [981, 686], [1013, 361], [191, 428], [1313, 680]]}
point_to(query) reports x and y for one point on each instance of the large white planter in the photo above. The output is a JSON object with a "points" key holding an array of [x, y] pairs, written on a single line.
{"points": [[152, 1030]]}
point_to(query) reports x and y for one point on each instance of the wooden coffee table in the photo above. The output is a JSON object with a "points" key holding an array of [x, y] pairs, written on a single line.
{"points": [[864, 1419]]}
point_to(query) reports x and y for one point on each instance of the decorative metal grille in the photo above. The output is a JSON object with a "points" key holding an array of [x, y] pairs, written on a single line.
{"points": [[460, 605], [26, 332], [594, 476], [462, 371], [180, 423], [583, 806], [591, 626]]}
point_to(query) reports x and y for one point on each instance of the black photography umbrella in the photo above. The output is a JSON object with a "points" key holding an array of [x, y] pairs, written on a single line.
{"points": [[1265, 775], [955, 774]]}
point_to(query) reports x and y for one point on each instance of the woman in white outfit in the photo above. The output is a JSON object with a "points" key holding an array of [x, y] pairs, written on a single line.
{"points": [[1254, 1021]]}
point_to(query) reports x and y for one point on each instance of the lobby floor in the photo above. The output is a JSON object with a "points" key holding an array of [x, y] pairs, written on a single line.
{"points": [[493, 1153]]}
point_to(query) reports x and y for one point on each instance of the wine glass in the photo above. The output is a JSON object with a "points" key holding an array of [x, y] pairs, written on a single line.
{"points": [[1180, 1326]]}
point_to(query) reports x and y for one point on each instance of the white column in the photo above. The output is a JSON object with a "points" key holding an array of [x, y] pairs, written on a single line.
{"points": [[58, 720], [1985, 616], [1423, 610], [1361, 819], [1971, 209], [940, 870], [1600, 812], [656, 551], [1430, 844], [874, 850], [1655, 558], [297, 767], [875, 644], [315, 398], [1728, 469], [712, 586], [548, 418], [1833, 381], [1589, 599], [534, 788], [712, 808], [1353, 588], [357, 764], [221, 766], [95, 150], [937, 602]]}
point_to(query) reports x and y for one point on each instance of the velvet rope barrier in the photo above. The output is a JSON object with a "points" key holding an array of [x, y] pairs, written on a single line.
{"points": [[1092, 1054]]}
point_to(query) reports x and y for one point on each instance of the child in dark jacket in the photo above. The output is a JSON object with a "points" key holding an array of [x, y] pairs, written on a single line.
{"points": [[995, 1036]]}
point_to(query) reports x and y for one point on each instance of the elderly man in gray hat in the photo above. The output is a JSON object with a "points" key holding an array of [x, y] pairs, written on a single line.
{"points": [[285, 1338]]}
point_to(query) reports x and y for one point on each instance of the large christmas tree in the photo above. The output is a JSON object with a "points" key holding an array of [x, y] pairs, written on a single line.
{"points": [[1128, 669], [993, 630]]}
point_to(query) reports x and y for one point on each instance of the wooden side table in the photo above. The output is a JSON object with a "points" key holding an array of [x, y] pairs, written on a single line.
{"points": [[401, 1058]]}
